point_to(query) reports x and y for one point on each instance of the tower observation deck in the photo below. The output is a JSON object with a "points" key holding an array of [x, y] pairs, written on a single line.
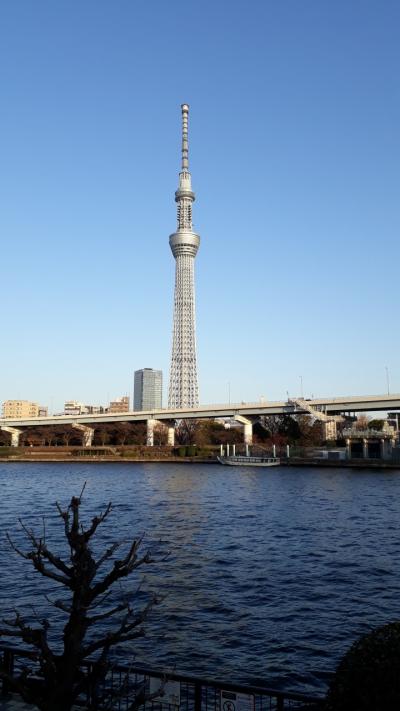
{"points": [[184, 243]]}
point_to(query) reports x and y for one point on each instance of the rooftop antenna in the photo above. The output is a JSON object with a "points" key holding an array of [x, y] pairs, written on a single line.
{"points": [[185, 142]]}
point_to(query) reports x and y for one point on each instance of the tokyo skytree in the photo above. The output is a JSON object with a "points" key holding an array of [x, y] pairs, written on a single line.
{"points": [[184, 243]]}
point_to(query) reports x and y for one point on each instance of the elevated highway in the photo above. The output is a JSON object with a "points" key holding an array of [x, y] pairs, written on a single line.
{"points": [[243, 412]]}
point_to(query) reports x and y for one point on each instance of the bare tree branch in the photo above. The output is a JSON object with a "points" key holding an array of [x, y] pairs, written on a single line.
{"points": [[46, 572], [59, 604], [120, 570], [64, 677], [96, 521], [37, 637], [74, 507], [125, 630], [108, 553], [14, 547], [65, 517], [109, 613], [98, 603], [43, 551], [81, 494]]}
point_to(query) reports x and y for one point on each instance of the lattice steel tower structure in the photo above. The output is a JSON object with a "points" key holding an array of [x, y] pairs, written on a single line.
{"points": [[184, 243]]}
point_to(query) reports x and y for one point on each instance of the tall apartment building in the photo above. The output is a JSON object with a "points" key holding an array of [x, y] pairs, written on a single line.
{"points": [[121, 404], [20, 409], [147, 389]]}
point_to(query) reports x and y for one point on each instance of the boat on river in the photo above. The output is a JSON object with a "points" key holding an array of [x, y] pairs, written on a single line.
{"points": [[249, 461]]}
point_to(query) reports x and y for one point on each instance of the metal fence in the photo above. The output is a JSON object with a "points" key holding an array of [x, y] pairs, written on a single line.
{"points": [[168, 691]]}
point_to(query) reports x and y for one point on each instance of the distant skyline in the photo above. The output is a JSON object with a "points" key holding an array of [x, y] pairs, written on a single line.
{"points": [[295, 162]]}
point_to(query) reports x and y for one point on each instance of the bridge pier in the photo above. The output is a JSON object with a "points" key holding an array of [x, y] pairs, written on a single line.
{"points": [[150, 427], [386, 447], [247, 428], [88, 433], [171, 436], [15, 434], [150, 432]]}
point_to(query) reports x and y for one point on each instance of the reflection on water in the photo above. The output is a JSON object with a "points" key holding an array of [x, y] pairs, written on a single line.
{"points": [[272, 573]]}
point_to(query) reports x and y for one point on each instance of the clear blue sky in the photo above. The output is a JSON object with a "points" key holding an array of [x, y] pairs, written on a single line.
{"points": [[295, 158]]}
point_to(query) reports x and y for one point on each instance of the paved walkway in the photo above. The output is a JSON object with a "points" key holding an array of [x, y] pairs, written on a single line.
{"points": [[13, 703]]}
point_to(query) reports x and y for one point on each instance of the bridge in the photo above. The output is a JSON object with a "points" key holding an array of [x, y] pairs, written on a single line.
{"points": [[325, 409]]}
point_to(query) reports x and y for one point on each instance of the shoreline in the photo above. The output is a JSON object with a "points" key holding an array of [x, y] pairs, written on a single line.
{"points": [[291, 462]]}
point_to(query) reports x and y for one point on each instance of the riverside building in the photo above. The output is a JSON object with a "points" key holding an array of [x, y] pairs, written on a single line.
{"points": [[22, 409], [147, 389], [73, 407], [121, 404]]}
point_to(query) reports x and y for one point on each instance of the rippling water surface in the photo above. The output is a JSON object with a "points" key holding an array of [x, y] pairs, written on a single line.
{"points": [[272, 573]]}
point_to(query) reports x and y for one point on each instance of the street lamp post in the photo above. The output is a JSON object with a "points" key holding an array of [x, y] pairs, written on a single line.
{"points": [[387, 379]]}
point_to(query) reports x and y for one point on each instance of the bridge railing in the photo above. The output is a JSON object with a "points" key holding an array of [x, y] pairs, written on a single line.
{"points": [[170, 691]]}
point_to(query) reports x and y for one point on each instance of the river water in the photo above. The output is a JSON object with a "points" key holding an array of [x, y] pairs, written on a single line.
{"points": [[272, 573]]}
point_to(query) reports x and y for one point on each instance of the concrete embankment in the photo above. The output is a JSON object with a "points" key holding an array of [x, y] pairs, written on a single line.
{"points": [[119, 460], [52, 457], [345, 463]]}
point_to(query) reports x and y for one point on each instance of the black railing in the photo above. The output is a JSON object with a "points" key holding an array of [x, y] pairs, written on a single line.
{"points": [[172, 692]]}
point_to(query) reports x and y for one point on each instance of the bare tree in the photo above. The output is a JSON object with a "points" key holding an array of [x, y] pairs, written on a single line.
{"points": [[31, 437], [121, 432], [362, 422], [5, 438], [67, 434], [138, 435], [102, 433], [160, 434], [49, 435], [185, 431], [64, 674]]}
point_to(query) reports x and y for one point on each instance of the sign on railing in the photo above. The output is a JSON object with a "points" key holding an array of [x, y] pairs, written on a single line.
{"points": [[232, 701]]}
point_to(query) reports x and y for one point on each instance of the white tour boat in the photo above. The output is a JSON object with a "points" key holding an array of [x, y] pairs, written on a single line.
{"points": [[244, 461]]}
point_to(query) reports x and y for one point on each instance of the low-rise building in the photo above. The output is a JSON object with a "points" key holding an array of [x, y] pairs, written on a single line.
{"points": [[393, 419], [74, 407], [20, 409], [93, 410], [121, 404]]}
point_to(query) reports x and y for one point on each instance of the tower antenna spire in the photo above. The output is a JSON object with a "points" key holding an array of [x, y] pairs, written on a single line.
{"points": [[185, 141]]}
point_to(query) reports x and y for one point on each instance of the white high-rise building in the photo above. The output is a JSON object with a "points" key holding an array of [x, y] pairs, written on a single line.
{"points": [[184, 243]]}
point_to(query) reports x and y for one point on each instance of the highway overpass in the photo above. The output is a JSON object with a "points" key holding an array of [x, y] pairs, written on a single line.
{"points": [[243, 411]]}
